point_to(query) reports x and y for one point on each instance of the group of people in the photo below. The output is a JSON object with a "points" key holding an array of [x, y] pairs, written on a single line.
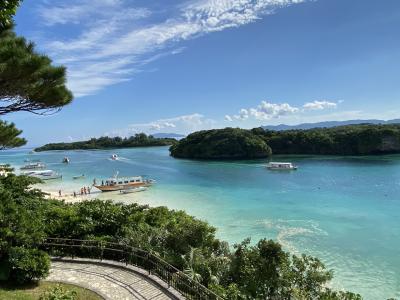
{"points": [[84, 191]]}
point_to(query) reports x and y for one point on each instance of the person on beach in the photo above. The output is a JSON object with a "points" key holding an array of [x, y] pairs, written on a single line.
{"points": [[81, 191], [94, 181], [88, 189], [84, 189], [74, 194], [59, 193]]}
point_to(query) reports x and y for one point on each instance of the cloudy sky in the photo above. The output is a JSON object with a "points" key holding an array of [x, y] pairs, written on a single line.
{"points": [[180, 66]]}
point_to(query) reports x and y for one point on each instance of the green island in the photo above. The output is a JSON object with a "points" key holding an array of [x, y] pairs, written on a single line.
{"points": [[236, 143], [261, 270], [105, 142]]}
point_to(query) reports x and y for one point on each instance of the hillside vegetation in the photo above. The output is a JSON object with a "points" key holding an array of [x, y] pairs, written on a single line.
{"points": [[228, 143], [234, 143], [261, 270], [139, 140]]}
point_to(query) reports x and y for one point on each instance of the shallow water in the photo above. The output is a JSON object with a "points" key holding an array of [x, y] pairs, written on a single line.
{"points": [[344, 210]]}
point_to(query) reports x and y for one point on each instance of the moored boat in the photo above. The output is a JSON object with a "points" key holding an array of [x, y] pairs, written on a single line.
{"points": [[133, 190], [33, 166], [281, 166], [43, 174], [123, 183], [79, 176], [114, 157], [31, 160], [66, 160]]}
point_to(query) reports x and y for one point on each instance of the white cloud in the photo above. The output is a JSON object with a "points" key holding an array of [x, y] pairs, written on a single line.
{"points": [[264, 111], [77, 12], [228, 118], [267, 110], [115, 40], [319, 105], [180, 124]]}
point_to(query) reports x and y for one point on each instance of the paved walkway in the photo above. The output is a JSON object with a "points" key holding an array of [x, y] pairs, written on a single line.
{"points": [[111, 280]]}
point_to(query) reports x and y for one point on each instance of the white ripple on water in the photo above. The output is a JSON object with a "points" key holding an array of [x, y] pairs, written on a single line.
{"points": [[147, 165], [289, 230]]}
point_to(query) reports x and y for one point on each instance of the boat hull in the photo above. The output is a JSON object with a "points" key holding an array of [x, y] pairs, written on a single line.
{"points": [[282, 169], [121, 187]]}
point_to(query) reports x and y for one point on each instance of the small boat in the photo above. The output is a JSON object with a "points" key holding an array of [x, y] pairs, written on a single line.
{"points": [[114, 157], [43, 174], [281, 166], [33, 166], [66, 160], [31, 160], [133, 190], [123, 183], [79, 176]]}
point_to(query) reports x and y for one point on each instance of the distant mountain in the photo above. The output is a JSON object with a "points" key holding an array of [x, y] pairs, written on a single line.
{"points": [[329, 124], [162, 135]]}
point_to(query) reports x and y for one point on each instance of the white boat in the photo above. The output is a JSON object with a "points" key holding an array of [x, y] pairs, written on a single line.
{"points": [[31, 160], [33, 166], [79, 176], [66, 160], [43, 174], [133, 190], [281, 166], [114, 157]]}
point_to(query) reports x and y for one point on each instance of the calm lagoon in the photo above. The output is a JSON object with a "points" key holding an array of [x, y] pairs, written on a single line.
{"points": [[344, 210]]}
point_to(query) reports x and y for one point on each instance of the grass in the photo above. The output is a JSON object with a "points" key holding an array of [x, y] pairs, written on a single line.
{"points": [[33, 291]]}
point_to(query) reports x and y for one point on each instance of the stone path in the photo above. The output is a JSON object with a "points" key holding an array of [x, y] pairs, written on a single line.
{"points": [[111, 280]]}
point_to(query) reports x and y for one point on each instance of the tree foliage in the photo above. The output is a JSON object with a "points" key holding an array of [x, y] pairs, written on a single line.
{"points": [[260, 271], [28, 80], [228, 143], [21, 228], [235, 143], [138, 140], [27, 264], [8, 8], [363, 139], [9, 136]]}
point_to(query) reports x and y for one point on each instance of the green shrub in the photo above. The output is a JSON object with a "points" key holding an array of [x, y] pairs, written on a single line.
{"points": [[28, 264], [58, 293]]}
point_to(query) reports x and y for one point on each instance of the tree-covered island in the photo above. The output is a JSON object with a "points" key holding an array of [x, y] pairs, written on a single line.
{"points": [[235, 143], [138, 140]]}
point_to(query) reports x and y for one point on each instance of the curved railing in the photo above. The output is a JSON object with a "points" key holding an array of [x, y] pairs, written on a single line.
{"points": [[155, 265]]}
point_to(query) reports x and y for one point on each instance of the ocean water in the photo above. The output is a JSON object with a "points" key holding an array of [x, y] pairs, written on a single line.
{"points": [[344, 210]]}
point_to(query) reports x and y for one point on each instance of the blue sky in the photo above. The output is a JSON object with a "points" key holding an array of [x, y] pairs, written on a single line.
{"points": [[179, 66]]}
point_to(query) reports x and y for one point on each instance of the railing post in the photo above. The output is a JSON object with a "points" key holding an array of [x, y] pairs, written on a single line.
{"points": [[148, 262], [101, 250], [173, 277]]}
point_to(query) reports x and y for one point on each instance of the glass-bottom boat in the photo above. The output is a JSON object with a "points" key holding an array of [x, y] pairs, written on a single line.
{"points": [[281, 166], [123, 183]]}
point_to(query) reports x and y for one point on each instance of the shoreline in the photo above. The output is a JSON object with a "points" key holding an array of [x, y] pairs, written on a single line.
{"points": [[66, 195]]}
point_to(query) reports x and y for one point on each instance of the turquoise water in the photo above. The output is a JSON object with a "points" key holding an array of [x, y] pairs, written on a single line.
{"points": [[344, 210]]}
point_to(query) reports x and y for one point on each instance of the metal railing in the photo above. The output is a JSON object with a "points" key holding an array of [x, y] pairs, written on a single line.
{"points": [[155, 265]]}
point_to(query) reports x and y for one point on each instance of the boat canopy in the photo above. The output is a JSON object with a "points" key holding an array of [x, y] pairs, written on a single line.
{"points": [[123, 180]]}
